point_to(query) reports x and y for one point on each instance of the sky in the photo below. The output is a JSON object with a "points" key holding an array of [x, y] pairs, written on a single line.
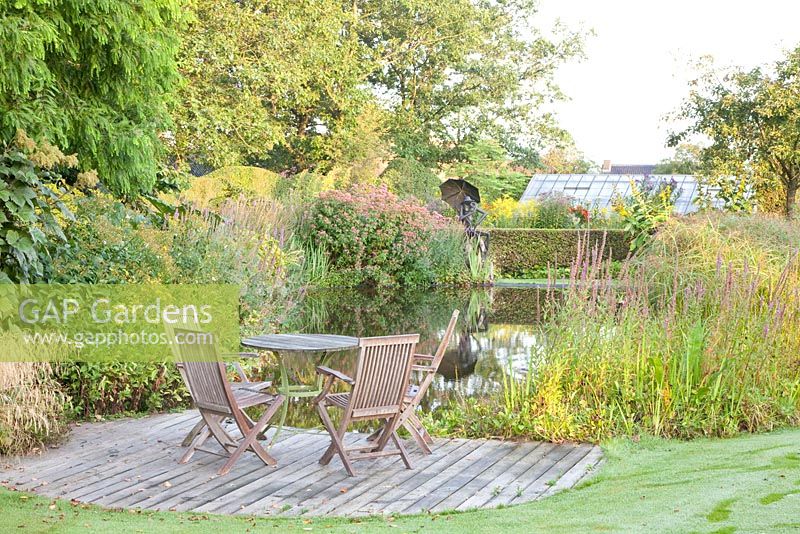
{"points": [[638, 63]]}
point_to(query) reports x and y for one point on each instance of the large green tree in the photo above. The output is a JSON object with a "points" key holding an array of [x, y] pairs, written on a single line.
{"points": [[91, 77], [458, 71], [282, 83], [277, 83], [752, 118]]}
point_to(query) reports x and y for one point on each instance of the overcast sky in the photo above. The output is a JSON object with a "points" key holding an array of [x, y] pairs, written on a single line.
{"points": [[637, 65]]}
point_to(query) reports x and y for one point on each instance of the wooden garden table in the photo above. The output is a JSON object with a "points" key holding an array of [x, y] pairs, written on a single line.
{"points": [[287, 344]]}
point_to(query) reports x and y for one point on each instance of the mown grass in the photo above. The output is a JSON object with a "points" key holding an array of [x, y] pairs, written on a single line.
{"points": [[750, 483]]}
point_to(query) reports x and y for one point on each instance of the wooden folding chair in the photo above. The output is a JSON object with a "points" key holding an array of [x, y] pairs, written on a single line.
{"points": [[244, 386], [382, 373], [215, 399], [427, 366]]}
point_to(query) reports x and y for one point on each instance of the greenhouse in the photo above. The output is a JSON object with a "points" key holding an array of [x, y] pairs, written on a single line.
{"points": [[599, 190]]}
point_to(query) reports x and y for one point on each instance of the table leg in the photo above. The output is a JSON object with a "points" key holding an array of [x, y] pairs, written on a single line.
{"points": [[296, 391]]}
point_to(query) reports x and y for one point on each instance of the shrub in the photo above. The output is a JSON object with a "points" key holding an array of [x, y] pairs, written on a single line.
{"points": [[649, 205], [505, 212], [694, 249], [121, 387], [374, 237], [245, 244], [108, 243], [231, 182], [31, 407], [446, 256], [516, 251], [252, 247], [408, 177], [554, 212]]}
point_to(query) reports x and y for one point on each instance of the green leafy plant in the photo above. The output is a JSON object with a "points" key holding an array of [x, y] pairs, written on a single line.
{"points": [[702, 341], [649, 205], [481, 270], [95, 389], [92, 78], [29, 207]]}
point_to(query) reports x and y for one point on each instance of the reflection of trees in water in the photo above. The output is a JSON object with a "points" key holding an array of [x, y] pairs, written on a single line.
{"points": [[479, 353]]}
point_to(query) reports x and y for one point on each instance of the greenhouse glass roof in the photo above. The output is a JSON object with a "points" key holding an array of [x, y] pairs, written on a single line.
{"points": [[599, 190]]}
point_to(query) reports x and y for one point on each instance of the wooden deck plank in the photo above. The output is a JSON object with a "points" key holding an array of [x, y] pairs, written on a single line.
{"points": [[550, 477], [579, 471], [446, 487], [485, 478], [229, 492], [132, 463], [352, 488], [92, 449], [506, 478], [406, 499], [377, 503], [188, 496], [166, 473], [310, 474], [532, 474]]}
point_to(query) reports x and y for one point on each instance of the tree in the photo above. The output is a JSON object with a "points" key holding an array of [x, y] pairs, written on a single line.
{"points": [[752, 118], [686, 160], [457, 71], [487, 166], [274, 83], [92, 78], [567, 160]]}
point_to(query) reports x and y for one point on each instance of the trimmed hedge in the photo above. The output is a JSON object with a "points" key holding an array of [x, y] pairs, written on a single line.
{"points": [[516, 249]]}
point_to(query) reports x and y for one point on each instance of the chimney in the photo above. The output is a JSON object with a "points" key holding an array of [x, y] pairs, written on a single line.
{"points": [[606, 168]]}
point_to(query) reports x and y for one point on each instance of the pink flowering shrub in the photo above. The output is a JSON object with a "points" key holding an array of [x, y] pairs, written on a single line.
{"points": [[374, 237]]}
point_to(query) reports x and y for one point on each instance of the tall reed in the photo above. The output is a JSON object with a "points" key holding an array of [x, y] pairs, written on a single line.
{"points": [[681, 354]]}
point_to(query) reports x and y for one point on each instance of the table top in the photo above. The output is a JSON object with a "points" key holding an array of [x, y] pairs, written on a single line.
{"points": [[301, 342]]}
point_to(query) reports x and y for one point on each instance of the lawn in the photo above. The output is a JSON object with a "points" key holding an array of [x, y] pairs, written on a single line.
{"points": [[749, 483]]}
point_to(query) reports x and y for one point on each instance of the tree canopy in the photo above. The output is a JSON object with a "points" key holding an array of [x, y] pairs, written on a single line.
{"points": [[92, 78], [686, 160], [456, 71], [287, 84], [752, 118], [273, 83]]}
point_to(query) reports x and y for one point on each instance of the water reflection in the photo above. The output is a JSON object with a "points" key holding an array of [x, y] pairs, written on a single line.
{"points": [[497, 330]]}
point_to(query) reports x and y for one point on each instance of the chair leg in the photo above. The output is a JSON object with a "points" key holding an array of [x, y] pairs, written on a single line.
{"points": [[249, 441], [211, 427], [337, 445], [221, 435], [418, 438], [402, 449], [196, 429], [422, 430], [198, 440], [374, 435]]}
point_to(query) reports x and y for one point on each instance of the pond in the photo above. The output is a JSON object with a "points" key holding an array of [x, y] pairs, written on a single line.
{"points": [[496, 333]]}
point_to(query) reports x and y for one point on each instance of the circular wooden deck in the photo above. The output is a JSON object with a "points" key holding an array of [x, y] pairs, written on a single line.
{"points": [[133, 463]]}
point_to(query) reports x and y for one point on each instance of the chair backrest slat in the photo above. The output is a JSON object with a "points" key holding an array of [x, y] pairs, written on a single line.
{"points": [[384, 366], [205, 375], [448, 334]]}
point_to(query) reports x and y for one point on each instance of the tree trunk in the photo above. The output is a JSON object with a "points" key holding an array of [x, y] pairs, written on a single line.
{"points": [[791, 197]]}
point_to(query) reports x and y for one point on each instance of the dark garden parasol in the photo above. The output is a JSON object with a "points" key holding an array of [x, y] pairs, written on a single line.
{"points": [[455, 192]]}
